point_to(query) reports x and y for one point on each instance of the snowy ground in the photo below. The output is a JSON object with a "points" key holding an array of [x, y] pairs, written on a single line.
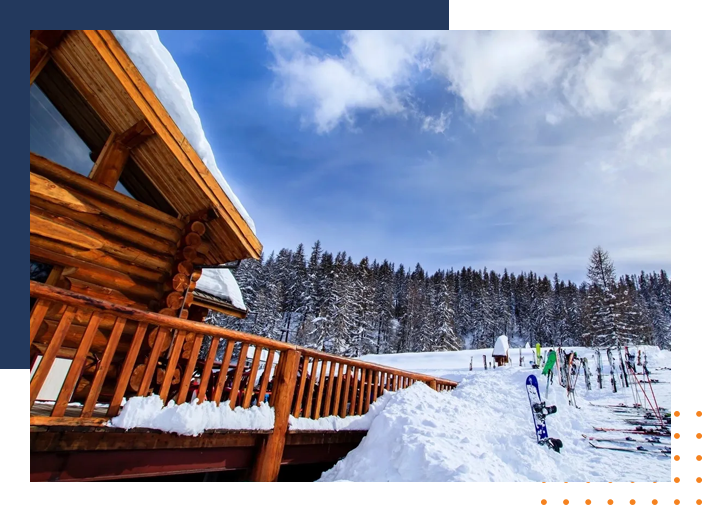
{"points": [[483, 430]]}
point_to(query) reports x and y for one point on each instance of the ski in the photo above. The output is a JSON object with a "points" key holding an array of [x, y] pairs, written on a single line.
{"points": [[560, 362], [636, 431], [623, 377], [611, 370], [640, 449], [638, 408], [539, 411], [629, 440], [646, 422], [598, 363], [586, 371]]}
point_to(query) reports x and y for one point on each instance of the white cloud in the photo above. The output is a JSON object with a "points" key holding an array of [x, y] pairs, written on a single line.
{"points": [[625, 75], [436, 124]]}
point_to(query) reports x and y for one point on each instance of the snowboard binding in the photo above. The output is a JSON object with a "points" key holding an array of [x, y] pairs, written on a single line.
{"points": [[541, 410]]}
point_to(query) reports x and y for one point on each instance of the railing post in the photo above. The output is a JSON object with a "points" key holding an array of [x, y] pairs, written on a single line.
{"points": [[270, 454], [432, 384]]}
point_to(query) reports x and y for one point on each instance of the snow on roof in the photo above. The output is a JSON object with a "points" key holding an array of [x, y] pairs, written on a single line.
{"points": [[220, 282], [163, 75], [501, 346]]}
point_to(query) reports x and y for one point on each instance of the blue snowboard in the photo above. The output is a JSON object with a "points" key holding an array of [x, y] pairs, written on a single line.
{"points": [[539, 411]]}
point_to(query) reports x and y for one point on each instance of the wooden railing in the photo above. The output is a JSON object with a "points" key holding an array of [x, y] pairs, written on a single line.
{"points": [[318, 384]]}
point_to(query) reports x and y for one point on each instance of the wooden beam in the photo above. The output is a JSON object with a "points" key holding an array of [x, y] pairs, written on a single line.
{"points": [[109, 165], [48, 359], [96, 386], [126, 372], [40, 44], [44, 189], [76, 368], [270, 455], [56, 172], [65, 421]]}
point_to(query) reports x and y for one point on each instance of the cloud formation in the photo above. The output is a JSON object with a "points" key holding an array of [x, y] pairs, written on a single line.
{"points": [[506, 149], [625, 75]]}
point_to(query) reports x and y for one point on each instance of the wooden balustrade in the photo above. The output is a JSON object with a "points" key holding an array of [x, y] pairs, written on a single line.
{"points": [[324, 384]]}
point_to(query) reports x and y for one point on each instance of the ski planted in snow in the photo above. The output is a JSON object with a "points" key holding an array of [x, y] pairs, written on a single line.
{"points": [[622, 368], [611, 370], [586, 372], [539, 411], [598, 363]]}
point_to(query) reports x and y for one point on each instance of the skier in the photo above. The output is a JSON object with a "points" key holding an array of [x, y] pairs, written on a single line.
{"points": [[548, 369]]}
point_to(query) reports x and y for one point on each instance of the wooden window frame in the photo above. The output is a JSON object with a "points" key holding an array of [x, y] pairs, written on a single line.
{"points": [[114, 156]]}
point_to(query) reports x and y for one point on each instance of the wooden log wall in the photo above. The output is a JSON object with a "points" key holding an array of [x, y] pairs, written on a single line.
{"points": [[325, 384], [176, 301], [116, 249]]}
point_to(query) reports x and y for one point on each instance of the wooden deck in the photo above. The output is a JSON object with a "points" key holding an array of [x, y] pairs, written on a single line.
{"points": [[70, 441], [85, 453]]}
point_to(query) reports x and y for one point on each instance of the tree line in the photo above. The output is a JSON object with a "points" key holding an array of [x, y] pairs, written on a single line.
{"points": [[329, 302]]}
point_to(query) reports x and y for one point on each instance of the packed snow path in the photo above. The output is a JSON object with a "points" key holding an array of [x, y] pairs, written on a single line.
{"points": [[483, 430]]}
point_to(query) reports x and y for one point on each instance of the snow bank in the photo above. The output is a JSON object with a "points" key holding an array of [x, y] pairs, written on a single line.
{"points": [[190, 418], [483, 430], [336, 423], [161, 72], [220, 282], [501, 346]]}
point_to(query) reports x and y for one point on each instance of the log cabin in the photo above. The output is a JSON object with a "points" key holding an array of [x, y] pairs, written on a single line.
{"points": [[129, 231]]}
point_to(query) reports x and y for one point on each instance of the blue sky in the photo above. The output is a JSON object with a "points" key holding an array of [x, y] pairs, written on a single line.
{"points": [[517, 150]]}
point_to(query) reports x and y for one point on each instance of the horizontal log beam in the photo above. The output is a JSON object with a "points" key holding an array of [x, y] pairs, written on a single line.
{"points": [[58, 173], [100, 225], [66, 421], [98, 275], [43, 188], [74, 337], [96, 257]]}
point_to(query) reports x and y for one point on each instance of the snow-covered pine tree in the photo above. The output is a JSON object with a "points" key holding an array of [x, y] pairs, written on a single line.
{"points": [[446, 337], [604, 306]]}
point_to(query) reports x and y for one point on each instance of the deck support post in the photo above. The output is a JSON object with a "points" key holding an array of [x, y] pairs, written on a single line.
{"points": [[270, 454]]}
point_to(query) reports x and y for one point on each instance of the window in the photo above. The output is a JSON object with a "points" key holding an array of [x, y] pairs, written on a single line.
{"points": [[62, 126], [134, 184]]}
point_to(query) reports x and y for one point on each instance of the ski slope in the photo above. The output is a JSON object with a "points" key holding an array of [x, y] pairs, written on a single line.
{"points": [[483, 430]]}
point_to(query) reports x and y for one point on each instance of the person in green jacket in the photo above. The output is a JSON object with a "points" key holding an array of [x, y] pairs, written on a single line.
{"points": [[550, 361]]}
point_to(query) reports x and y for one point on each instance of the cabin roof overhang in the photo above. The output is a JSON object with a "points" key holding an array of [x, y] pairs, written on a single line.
{"points": [[106, 77], [212, 302]]}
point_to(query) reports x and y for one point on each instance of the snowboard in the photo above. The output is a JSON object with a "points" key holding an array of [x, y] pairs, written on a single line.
{"points": [[539, 411]]}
